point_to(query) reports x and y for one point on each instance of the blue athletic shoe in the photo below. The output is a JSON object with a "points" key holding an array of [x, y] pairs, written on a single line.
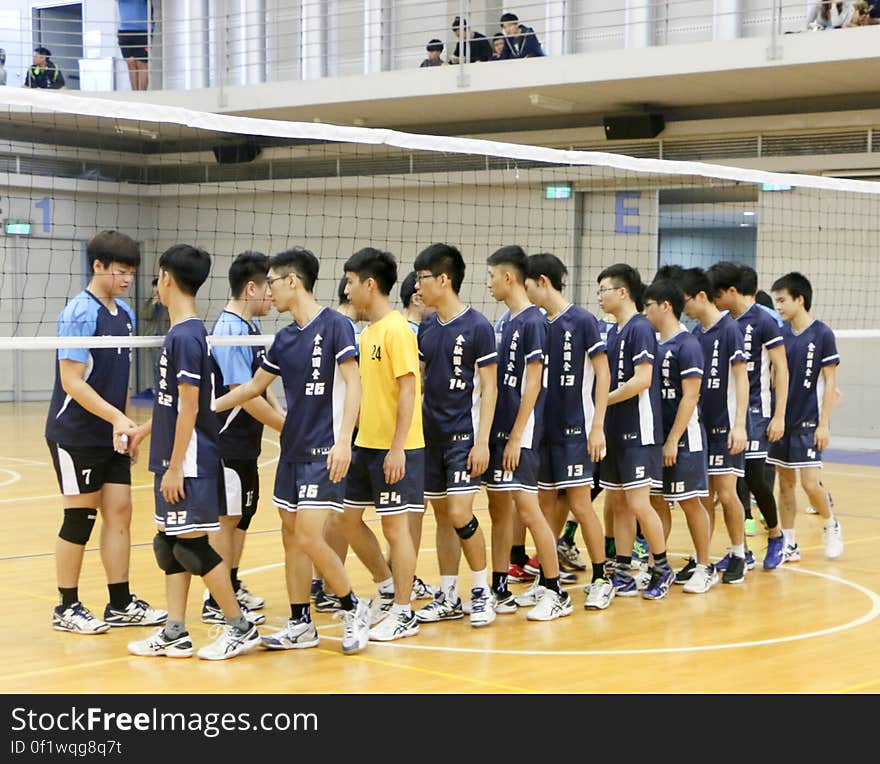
{"points": [[773, 558], [641, 551], [624, 585], [750, 560], [723, 563], [658, 587]]}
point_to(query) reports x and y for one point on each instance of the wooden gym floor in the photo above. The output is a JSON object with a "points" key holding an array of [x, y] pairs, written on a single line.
{"points": [[810, 627]]}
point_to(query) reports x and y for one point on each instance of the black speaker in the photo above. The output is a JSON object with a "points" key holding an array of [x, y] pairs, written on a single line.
{"points": [[633, 126], [236, 152]]}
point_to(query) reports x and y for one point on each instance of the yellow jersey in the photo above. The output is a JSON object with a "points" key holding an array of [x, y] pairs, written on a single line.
{"points": [[388, 350]]}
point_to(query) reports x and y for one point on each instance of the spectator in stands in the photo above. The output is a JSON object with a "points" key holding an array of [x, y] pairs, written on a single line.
{"points": [[520, 40], [865, 14], [827, 14], [134, 40], [2, 67], [479, 47], [434, 48], [44, 73], [498, 46]]}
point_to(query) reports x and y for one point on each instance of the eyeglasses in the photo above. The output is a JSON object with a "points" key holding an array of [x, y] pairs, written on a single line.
{"points": [[601, 290], [422, 276], [270, 282]]}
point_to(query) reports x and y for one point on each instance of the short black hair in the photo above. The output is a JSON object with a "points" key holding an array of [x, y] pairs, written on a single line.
{"points": [[300, 261], [797, 285], [664, 290], [693, 281], [514, 256], [445, 259], [155, 281], [625, 275], [497, 36], [434, 44], [459, 22], [547, 264], [669, 273], [340, 291], [762, 298], [748, 280], [376, 264], [113, 247], [408, 288], [189, 266], [724, 275], [505, 17], [43, 51], [247, 266]]}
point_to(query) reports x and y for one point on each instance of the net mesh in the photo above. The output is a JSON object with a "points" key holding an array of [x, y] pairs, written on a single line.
{"points": [[72, 166]]}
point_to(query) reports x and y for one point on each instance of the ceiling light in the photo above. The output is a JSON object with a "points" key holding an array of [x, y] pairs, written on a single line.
{"points": [[749, 213], [551, 104]]}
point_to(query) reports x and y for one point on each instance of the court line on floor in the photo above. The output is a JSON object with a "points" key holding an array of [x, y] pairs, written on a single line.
{"points": [[854, 687], [432, 672], [66, 667], [28, 462], [14, 477]]}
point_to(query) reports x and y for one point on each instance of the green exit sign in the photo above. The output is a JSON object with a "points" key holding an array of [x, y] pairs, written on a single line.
{"points": [[557, 192], [18, 228]]}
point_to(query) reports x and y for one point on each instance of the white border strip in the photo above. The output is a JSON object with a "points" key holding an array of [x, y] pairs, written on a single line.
{"points": [[44, 101]]}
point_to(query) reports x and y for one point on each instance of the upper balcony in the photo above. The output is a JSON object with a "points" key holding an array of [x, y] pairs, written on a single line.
{"points": [[357, 61]]}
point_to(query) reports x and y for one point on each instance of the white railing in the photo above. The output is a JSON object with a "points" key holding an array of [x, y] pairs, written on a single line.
{"points": [[218, 43]]}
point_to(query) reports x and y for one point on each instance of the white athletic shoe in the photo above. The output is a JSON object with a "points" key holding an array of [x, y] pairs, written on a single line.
{"points": [[355, 627], [600, 594], [441, 608], [77, 618], [482, 607], [295, 635], [211, 614], [395, 626], [157, 645], [421, 590], [230, 643], [136, 613], [833, 538], [791, 553], [380, 606], [529, 598], [248, 599], [702, 579], [551, 605]]}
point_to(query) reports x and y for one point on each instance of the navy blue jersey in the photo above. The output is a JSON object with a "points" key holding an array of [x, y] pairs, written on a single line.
{"points": [[523, 341], [308, 361], [760, 334], [107, 371], [637, 420], [681, 357], [185, 360], [452, 352], [807, 353], [573, 339], [240, 433], [723, 348]]}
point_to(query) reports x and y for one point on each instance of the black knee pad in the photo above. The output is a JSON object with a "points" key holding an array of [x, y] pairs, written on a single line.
{"points": [[466, 531], [196, 555], [163, 549], [247, 514], [77, 525]]}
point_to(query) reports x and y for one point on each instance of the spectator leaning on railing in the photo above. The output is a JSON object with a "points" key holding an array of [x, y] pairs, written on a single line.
{"points": [[134, 40], [829, 15], [865, 14], [434, 48], [520, 40], [479, 47], [498, 46], [44, 73]]}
